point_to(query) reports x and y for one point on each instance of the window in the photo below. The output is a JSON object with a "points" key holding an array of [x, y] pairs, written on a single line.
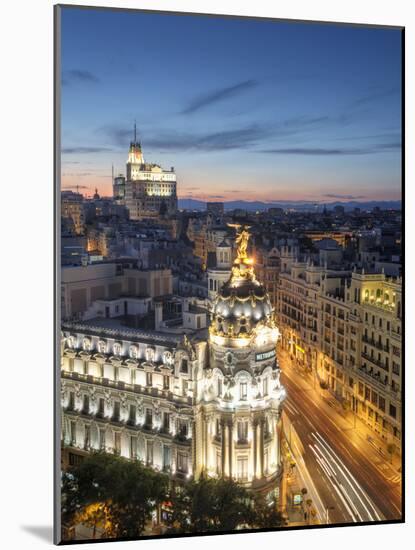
{"points": [[87, 437], [102, 439], [182, 463], [85, 404], [184, 366], [183, 428], [381, 403], [132, 415], [149, 453], [242, 466], [242, 431], [392, 410], [73, 432], [166, 457], [116, 412], [149, 418], [101, 407], [166, 382], [117, 443], [149, 379], [71, 402], [243, 390], [133, 447], [166, 422]]}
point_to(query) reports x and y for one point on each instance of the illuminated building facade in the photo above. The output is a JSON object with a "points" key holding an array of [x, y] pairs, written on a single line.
{"points": [[238, 421], [149, 190], [118, 189], [73, 209], [346, 328], [182, 404]]}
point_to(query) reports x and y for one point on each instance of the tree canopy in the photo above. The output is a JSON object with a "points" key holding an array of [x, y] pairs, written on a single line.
{"points": [[220, 505], [115, 493]]}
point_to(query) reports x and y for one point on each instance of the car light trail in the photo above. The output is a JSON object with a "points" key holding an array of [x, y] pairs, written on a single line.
{"points": [[331, 456]]}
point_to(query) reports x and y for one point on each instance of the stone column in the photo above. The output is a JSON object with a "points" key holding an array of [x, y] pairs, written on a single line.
{"points": [[230, 446], [223, 447], [206, 439], [261, 447]]}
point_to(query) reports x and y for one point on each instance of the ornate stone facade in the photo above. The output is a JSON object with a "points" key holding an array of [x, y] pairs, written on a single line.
{"points": [[187, 406]]}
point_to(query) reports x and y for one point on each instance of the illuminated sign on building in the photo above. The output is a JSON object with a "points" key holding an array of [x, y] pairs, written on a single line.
{"points": [[265, 355], [297, 499]]}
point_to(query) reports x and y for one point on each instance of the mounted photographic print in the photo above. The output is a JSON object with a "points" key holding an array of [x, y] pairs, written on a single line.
{"points": [[229, 292]]}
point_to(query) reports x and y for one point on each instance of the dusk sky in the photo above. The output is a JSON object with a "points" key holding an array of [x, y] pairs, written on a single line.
{"points": [[243, 109]]}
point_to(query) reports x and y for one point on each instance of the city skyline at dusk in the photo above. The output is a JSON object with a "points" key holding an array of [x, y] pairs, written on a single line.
{"points": [[265, 111], [231, 275]]}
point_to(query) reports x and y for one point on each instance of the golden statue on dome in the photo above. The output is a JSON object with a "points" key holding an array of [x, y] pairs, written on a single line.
{"points": [[242, 265]]}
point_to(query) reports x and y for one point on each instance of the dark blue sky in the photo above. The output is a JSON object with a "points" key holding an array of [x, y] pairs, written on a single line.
{"points": [[242, 108]]}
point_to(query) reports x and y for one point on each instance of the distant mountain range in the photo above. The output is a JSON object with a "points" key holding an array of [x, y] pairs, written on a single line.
{"points": [[304, 206]]}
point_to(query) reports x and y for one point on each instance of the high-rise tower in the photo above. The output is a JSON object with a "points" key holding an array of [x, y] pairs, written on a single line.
{"points": [[150, 191]]}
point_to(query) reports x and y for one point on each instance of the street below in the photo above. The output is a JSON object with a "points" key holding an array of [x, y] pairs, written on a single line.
{"points": [[350, 481]]}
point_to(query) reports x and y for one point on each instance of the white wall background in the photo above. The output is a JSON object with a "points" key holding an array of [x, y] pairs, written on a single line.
{"points": [[26, 316]]}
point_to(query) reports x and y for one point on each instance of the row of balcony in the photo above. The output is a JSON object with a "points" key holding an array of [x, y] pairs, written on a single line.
{"points": [[121, 385]]}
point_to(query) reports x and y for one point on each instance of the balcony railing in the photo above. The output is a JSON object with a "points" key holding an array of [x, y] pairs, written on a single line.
{"points": [[375, 343], [375, 361]]}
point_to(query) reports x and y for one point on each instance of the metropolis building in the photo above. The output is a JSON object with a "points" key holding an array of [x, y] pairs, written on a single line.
{"points": [[186, 405]]}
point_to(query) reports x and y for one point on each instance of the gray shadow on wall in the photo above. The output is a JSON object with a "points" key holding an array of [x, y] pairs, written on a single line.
{"points": [[43, 532]]}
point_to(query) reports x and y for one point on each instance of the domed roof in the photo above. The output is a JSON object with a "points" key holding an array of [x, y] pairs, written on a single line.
{"points": [[242, 302]]}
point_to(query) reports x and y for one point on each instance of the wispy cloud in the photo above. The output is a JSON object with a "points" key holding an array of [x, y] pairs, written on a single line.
{"points": [[75, 187], [323, 151], [79, 76], [84, 150], [237, 138], [218, 95], [375, 96], [349, 197], [77, 174]]}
